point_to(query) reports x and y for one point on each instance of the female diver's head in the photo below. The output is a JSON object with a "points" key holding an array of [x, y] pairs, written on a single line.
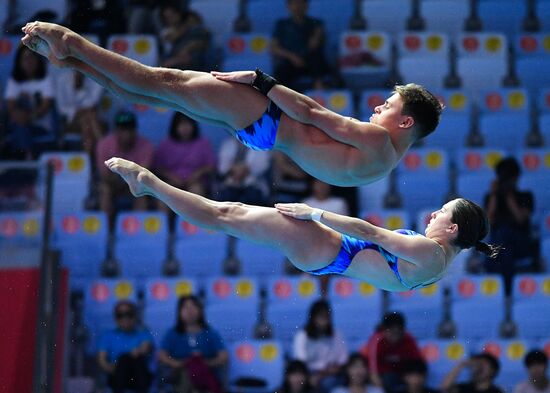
{"points": [[463, 224]]}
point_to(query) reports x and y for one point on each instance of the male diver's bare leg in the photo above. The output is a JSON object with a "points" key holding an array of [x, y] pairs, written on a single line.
{"points": [[199, 93]]}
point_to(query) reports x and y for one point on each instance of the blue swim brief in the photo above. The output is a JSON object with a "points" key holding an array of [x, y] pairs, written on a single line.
{"points": [[261, 134]]}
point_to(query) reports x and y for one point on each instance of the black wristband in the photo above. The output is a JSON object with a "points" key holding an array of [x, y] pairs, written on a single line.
{"points": [[263, 82]]}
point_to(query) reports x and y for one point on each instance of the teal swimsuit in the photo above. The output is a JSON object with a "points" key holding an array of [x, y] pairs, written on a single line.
{"points": [[351, 246]]}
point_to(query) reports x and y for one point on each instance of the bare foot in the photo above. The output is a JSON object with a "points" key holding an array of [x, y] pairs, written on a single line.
{"points": [[136, 176], [54, 35], [41, 47]]}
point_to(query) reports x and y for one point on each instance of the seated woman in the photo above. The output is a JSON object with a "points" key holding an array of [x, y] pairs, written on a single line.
{"points": [[185, 159], [321, 347], [192, 350], [391, 260]]}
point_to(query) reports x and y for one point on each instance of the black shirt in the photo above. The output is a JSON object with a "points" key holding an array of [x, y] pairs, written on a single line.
{"points": [[470, 388]]}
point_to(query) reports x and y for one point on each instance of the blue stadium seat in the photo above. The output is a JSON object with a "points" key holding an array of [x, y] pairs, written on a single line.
{"points": [[441, 356], [455, 124], [423, 309], [423, 179], [476, 172], [264, 14], [478, 306], [257, 359], [161, 299], [536, 171], [82, 239], [544, 344], [387, 15], [371, 196], [356, 307], [218, 16], [543, 100], [100, 298], [339, 101], [543, 14], [153, 123], [419, 52], [545, 225], [544, 128], [141, 243], [259, 260], [199, 251], [247, 51], [505, 118], [482, 60], [545, 253], [142, 48], [8, 47], [232, 306], [288, 301], [531, 295], [71, 180], [533, 55], [388, 218], [502, 16], [370, 99], [365, 58], [21, 238], [445, 16], [336, 16], [510, 354]]}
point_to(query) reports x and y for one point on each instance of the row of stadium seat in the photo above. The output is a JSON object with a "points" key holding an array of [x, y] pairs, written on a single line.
{"points": [[236, 304]]}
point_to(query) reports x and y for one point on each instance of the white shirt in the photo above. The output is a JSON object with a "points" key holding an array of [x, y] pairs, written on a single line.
{"points": [[258, 162], [70, 100], [31, 88], [527, 387], [320, 353], [331, 204]]}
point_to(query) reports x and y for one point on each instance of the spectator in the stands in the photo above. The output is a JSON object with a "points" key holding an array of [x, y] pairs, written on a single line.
{"points": [[357, 377], [298, 48], [124, 352], [290, 182], [509, 210], [322, 198], [193, 352], [185, 159], [243, 173], [537, 381], [296, 378], [414, 378], [101, 18], [388, 349], [484, 369], [186, 42], [124, 142], [77, 99], [29, 98], [322, 347]]}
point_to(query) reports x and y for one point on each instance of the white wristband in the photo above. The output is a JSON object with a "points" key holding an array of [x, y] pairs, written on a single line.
{"points": [[316, 214]]}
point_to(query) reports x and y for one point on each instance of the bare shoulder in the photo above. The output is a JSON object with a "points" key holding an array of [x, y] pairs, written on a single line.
{"points": [[375, 152]]}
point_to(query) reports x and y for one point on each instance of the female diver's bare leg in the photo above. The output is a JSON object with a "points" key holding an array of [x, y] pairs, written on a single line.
{"points": [[307, 244]]}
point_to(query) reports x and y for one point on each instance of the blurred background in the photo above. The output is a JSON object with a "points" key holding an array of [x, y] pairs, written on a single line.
{"points": [[100, 291]]}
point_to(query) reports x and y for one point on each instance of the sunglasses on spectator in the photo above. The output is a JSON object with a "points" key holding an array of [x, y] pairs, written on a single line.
{"points": [[125, 314]]}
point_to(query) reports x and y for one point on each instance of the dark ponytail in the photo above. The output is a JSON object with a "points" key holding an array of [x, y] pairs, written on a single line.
{"points": [[473, 226], [490, 250]]}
